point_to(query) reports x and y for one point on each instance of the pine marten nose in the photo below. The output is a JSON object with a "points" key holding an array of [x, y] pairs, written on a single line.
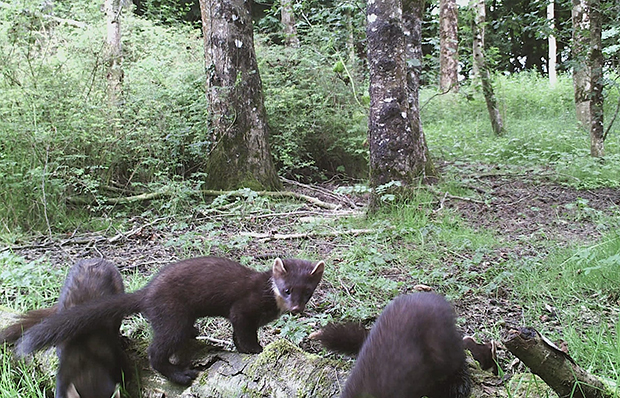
{"points": [[297, 309]]}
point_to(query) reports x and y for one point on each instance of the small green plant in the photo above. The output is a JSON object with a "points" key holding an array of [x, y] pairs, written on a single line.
{"points": [[22, 379], [28, 284]]}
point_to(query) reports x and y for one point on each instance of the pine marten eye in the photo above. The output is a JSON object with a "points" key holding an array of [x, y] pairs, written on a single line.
{"points": [[287, 291]]}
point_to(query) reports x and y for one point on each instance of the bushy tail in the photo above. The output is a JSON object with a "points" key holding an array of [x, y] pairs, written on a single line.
{"points": [[346, 338], [77, 320], [11, 333]]}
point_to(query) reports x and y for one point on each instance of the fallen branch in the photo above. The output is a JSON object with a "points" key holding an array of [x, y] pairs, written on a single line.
{"points": [[156, 195], [276, 194], [266, 237], [554, 366]]}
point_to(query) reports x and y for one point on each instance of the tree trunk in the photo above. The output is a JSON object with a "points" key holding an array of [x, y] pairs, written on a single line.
{"points": [[597, 147], [240, 155], [113, 55], [485, 75], [412, 23], [288, 21], [552, 45], [448, 44], [394, 150], [581, 70]]}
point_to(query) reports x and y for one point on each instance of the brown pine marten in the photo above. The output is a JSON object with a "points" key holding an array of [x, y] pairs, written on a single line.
{"points": [[184, 291], [413, 350], [91, 364]]}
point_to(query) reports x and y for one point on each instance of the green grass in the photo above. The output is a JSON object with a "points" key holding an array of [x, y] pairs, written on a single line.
{"points": [[542, 132], [581, 285], [22, 380]]}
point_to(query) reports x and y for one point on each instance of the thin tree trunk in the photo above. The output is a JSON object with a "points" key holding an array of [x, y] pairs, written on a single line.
{"points": [[597, 146], [288, 21], [412, 23], [240, 155], [552, 45], [448, 44], [113, 53], [581, 69], [485, 75]]}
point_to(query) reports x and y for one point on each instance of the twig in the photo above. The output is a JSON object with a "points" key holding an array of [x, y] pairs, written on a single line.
{"points": [[321, 190], [266, 237], [276, 194], [216, 341], [441, 204]]}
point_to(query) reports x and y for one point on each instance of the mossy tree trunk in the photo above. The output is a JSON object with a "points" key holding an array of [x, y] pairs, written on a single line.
{"points": [[239, 155], [581, 70], [597, 139], [448, 46], [396, 151], [485, 75]]}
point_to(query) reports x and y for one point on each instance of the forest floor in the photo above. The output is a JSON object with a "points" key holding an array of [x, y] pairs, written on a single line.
{"points": [[525, 209]]}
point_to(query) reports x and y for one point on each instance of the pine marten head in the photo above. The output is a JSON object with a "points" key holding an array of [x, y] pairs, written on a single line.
{"points": [[294, 282]]}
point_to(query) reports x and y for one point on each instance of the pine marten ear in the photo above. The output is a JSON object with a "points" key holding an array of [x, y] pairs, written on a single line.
{"points": [[278, 267], [318, 269]]}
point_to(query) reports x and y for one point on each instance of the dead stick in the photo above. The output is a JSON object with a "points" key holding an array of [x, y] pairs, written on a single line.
{"points": [[554, 366]]}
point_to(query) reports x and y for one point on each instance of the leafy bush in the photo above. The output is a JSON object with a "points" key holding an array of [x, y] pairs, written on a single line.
{"points": [[58, 136], [317, 124]]}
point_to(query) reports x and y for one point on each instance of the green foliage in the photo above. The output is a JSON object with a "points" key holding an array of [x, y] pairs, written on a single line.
{"points": [[58, 136], [542, 130], [22, 379], [317, 124], [582, 288], [28, 284]]}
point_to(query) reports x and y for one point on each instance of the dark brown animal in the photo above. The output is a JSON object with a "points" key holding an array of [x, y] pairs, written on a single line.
{"points": [[414, 350], [184, 291], [91, 364]]}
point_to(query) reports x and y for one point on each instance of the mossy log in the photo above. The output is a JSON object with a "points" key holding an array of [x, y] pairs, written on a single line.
{"points": [[554, 366]]}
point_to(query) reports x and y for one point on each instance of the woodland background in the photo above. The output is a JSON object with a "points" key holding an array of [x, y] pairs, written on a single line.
{"points": [[518, 228]]}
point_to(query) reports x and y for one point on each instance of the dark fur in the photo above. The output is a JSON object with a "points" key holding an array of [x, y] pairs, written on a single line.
{"points": [[90, 364], [12, 333], [347, 338], [413, 350], [184, 291]]}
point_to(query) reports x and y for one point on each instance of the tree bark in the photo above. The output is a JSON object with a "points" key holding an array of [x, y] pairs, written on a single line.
{"points": [[552, 45], [113, 53], [239, 154], [448, 45], [485, 76], [597, 146], [288, 21], [581, 70], [554, 366], [413, 10], [394, 150]]}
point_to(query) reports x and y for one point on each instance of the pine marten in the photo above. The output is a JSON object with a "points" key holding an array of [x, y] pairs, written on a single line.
{"points": [[91, 364], [184, 291], [413, 350]]}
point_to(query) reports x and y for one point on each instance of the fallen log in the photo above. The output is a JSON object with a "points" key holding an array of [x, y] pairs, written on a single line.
{"points": [[554, 366]]}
